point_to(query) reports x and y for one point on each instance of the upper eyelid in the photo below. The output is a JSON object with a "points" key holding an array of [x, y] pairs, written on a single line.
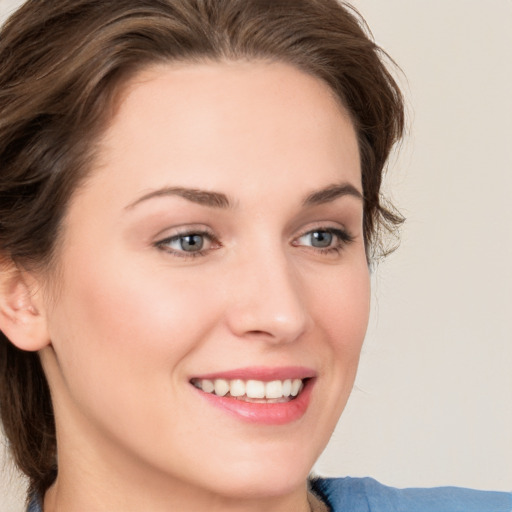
{"points": [[177, 231], [325, 226], [184, 230]]}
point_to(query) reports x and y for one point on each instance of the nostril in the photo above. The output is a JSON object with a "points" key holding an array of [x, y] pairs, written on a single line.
{"points": [[260, 333]]}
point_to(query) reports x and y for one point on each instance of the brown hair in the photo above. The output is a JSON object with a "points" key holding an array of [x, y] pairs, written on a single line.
{"points": [[62, 63]]}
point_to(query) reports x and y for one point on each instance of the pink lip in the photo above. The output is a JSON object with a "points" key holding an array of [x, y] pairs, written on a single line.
{"points": [[261, 412], [265, 374]]}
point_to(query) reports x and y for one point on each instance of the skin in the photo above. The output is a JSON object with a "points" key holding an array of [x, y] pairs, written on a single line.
{"points": [[133, 321]]}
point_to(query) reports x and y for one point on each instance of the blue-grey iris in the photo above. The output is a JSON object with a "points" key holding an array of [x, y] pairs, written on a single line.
{"points": [[321, 239], [192, 243]]}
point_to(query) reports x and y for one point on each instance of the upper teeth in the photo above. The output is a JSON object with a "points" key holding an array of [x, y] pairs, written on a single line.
{"points": [[251, 388]]}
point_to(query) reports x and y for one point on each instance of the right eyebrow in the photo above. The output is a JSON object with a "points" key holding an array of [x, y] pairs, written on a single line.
{"points": [[202, 197]]}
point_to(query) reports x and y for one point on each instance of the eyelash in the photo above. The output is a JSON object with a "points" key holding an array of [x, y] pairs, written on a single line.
{"points": [[343, 238]]}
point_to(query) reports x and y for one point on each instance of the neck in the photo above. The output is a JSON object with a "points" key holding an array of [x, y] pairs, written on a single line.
{"points": [[60, 498]]}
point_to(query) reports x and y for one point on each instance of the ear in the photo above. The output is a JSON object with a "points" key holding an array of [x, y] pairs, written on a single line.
{"points": [[22, 319]]}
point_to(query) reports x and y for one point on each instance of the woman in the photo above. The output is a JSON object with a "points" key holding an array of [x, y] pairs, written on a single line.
{"points": [[189, 204]]}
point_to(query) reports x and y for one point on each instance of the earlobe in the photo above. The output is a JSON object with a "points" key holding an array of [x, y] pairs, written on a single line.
{"points": [[21, 320]]}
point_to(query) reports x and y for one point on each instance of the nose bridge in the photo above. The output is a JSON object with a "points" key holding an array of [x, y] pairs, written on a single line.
{"points": [[266, 295]]}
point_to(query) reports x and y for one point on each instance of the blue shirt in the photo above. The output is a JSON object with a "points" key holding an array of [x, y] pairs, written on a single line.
{"points": [[367, 495]]}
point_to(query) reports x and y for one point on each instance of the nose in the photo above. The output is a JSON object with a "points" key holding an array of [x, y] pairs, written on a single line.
{"points": [[267, 299]]}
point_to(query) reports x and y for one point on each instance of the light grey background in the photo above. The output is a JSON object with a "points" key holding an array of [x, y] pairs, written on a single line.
{"points": [[433, 398]]}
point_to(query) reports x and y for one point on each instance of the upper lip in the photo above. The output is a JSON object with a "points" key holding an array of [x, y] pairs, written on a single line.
{"points": [[263, 373]]}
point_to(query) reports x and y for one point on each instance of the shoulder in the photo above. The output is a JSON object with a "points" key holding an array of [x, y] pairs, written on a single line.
{"points": [[368, 495], [34, 504]]}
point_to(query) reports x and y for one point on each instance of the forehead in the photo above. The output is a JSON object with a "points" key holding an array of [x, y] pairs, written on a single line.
{"points": [[210, 124]]}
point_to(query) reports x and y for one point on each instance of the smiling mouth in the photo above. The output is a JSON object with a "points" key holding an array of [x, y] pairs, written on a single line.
{"points": [[253, 391]]}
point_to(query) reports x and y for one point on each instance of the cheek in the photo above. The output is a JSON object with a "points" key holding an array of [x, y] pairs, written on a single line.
{"points": [[121, 346], [121, 325], [341, 313], [342, 309], [339, 303]]}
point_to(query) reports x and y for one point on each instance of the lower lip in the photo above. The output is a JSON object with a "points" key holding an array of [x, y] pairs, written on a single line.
{"points": [[264, 413]]}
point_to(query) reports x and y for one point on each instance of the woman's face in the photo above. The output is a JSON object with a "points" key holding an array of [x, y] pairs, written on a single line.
{"points": [[218, 243]]}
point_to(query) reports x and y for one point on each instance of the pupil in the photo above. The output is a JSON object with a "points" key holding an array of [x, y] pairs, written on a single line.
{"points": [[192, 243], [321, 239]]}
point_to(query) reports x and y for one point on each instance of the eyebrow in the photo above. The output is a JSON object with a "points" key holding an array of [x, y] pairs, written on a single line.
{"points": [[202, 197], [220, 200], [330, 193]]}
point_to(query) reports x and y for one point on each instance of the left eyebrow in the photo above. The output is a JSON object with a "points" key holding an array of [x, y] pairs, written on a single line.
{"points": [[330, 193]]}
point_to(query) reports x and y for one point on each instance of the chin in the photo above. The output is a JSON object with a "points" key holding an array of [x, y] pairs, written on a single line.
{"points": [[266, 474], [267, 483]]}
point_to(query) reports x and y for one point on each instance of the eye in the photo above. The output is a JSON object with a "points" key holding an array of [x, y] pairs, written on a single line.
{"points": [[191, 243], [325, 239], [321, 239], [187, 244]]}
